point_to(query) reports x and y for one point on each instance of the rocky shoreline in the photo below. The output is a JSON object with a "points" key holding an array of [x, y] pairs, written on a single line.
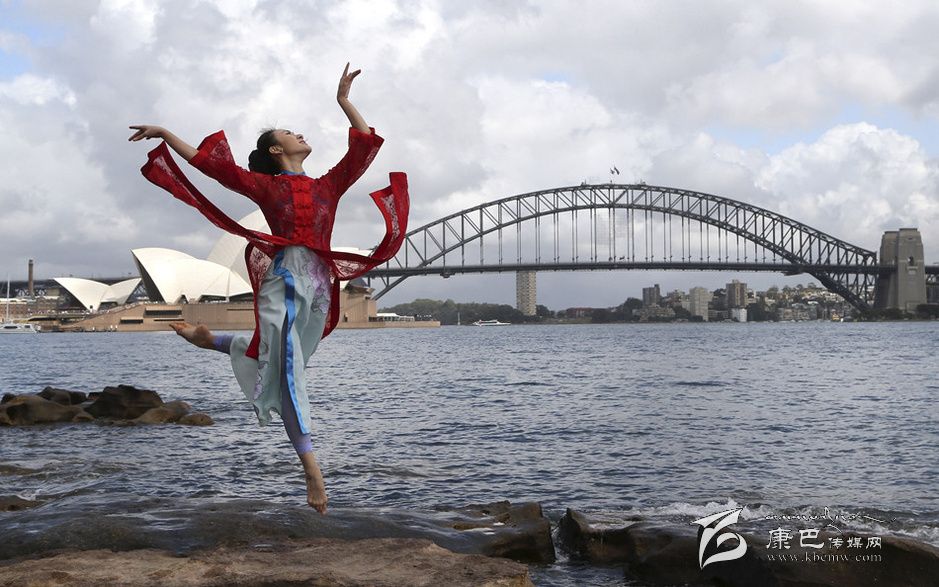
{"points": [[122, 405], [371, 562], [253, 542]]}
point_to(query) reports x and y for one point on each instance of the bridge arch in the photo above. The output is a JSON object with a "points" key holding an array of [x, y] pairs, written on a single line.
{"points": [[840, 266]]}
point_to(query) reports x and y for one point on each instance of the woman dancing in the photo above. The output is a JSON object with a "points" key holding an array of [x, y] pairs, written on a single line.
{"points": [[294, 274]]}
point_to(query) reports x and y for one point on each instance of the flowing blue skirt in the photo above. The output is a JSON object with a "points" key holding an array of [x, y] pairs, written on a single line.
{"points": [[293, 305]]}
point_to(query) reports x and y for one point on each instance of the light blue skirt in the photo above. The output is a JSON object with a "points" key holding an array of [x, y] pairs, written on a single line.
{"points": [[293, 305]]}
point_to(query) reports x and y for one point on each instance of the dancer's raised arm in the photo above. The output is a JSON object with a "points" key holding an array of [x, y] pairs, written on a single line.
{"points": [[149, 131], [342, 96]]}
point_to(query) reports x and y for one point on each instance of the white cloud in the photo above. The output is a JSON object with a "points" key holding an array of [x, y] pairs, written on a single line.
{"points": [[855, 182], [28, 89]]}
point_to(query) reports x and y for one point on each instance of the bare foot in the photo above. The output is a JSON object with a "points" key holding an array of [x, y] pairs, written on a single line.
{"points": [[199, 335], [315, 487], [316, 493]]}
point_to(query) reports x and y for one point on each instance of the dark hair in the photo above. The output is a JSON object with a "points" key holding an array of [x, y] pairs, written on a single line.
{"points": [[260, 159]]}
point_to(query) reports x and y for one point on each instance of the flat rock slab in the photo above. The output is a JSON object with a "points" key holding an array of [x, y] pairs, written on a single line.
{"points": [[324, 562], [667, 554]]}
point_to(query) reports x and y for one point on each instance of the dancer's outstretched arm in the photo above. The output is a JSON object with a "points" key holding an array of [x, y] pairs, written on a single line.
{"points": [[342, 96], [149, 131]]}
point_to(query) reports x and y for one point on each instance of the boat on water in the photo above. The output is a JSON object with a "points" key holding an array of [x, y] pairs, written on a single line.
{"points": [[490, 323], [15, 327], [18, 328]]}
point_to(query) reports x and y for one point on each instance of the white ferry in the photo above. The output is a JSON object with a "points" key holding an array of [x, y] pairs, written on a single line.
{"points": [[8, 327], [490, 323]]}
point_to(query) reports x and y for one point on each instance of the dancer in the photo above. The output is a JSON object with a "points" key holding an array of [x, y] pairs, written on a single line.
{"points": [[294, 274]]}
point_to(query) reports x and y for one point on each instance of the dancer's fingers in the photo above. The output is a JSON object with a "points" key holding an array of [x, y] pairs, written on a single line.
{"points": [[354, 73]]}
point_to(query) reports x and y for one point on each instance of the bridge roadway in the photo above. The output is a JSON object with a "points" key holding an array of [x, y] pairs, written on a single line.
{"points": [[786, 268]]}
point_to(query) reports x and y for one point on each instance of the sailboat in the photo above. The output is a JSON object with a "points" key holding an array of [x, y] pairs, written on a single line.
{"points": [[15, 327]]}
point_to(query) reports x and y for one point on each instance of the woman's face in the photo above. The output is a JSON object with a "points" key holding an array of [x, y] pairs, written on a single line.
{"points": [[292, 143]]}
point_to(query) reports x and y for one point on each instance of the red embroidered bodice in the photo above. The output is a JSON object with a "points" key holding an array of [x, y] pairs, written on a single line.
{"points": [[300, 210]]}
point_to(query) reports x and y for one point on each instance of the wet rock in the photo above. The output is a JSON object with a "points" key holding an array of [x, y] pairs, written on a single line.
{"points": [[667, 554], [26, 409], [197, 419], [7, 397], [63, 396], [373, 562], [520, 532], [124, 402], [14, 503], [7, 469], [165, 414], [583, 541]]}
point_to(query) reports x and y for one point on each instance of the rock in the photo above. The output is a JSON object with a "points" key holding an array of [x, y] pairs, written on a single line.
{"points": [[167, 413], [124, 402], [520, 532], [13, 503], [6, 469], [7, 397], [581, 540], [197, 419], [373, 562], [63, 396], [667, 554], [26, 409]]}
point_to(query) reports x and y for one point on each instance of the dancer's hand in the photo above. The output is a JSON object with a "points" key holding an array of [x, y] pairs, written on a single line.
{"points": [[147, 131], [345, 83]]}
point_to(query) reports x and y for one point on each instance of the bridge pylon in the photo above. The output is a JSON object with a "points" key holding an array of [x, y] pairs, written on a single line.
{"points": [[904, 287]]}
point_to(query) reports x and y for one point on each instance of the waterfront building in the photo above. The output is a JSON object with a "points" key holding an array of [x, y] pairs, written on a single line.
{"points": [[526, 293], [213, 291], [736, 294], [700, 300], [646, 313], [651, 296]]}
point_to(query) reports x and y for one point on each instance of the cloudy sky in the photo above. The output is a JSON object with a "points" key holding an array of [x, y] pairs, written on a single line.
{"points": [[827, 112]]}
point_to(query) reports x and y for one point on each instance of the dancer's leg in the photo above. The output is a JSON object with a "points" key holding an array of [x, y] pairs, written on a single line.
{"points": [[302, 443]]}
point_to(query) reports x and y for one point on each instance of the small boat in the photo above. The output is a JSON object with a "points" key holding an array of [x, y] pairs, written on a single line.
{"points": [[490, 323], [15, 327]]}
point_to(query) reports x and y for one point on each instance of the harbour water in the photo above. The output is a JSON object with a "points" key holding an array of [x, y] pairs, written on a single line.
{"points": [[667, 421]]}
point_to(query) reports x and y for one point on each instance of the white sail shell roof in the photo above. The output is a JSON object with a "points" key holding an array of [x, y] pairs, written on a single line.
{"points": [[177, 275], [91, 294]]}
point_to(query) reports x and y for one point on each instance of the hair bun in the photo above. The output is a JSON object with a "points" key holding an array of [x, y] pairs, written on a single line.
{"points": [[260, 159]]}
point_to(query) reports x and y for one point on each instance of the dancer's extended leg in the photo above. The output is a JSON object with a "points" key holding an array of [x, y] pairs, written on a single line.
{"points": [[302, 443]]}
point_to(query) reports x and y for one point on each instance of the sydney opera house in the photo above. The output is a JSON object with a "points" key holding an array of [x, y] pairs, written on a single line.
{"points": [[213, 291]]}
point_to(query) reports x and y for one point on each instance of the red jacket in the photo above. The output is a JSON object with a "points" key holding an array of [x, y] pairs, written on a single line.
{"points": [[300, 210]]}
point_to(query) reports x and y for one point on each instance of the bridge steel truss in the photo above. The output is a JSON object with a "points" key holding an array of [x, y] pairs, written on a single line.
{"points": [[440, 247]]}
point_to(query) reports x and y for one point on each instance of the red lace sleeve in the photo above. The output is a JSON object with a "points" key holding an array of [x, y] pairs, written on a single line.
{"points": [[362, 150], [214, 159]]}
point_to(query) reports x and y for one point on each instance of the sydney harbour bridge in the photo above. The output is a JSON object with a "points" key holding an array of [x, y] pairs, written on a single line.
{"points": [[639, 226]]}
